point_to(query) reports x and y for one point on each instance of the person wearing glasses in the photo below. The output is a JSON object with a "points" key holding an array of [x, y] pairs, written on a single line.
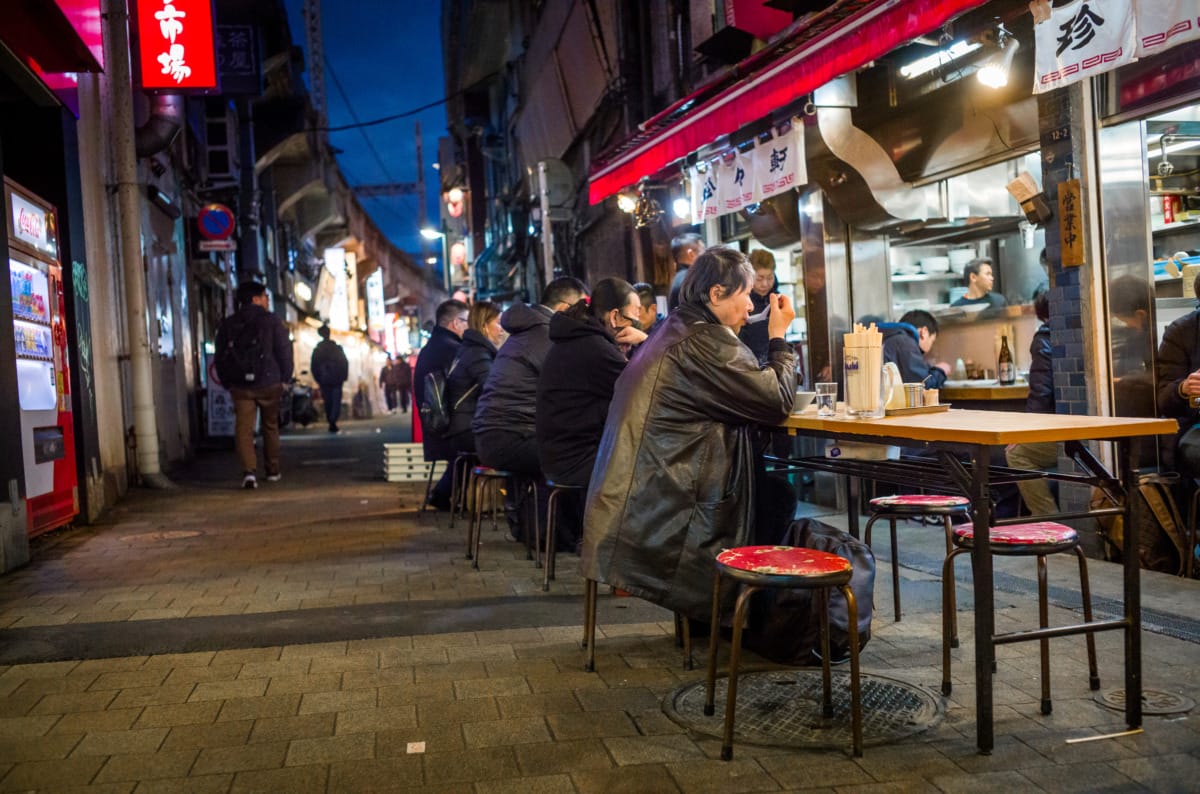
{"points": [[673, 482], [436, 356], [470, 371], [587, 355]]}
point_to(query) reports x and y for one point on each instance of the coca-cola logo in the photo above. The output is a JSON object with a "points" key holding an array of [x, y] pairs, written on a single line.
{"points": [[31, 224]]}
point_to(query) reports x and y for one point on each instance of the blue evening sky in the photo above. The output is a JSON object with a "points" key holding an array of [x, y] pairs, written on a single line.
{"points": [[383, 57]]}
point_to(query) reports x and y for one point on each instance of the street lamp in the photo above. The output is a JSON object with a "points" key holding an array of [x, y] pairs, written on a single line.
{"points": [[430, 233]]}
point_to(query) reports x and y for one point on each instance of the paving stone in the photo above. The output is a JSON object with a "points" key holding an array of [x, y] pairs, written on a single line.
{"points": [[260, 755], [293, 780], [562, 757], [218, 734], [487, 763], [1082, 777], [811, 769], [304, 726], [906, 787], [722, 776], [72, 682], [145, 740], [178, 714], [113, 664], [983, 783], [1008, 752], [287, 684], [196, 675], [128, 679], [276, 668], [147, 766], [545, 784], [69, 702], [527, 705], [400, 773], [495, 733], [1176, 772], [592, 724], [247, 655], [632, 700], [649, 779], [376, 719], [436, 712], [412, 656], [628, 751], [490, 687], [152, 696], [56, 774], [437, 738], [224, 690], [367, 679], [565, 680], [341, 664], [342, 700], [256, 708], [18, 704], [504, 668], [400, 694], [327, 749], [34, 725], [205, 784], [424, 673], [38, 748], [314, 649], [906, 761], [181, 660]]}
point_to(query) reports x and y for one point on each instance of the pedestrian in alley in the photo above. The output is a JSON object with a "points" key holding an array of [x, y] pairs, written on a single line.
{"points": [[436, 356], [396, 380], [684, 250], [254, 361], [330, 370], [469, 372]]}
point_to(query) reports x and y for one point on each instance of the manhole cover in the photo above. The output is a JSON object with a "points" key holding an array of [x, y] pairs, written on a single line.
{"points": [[155, 537], [782, 708], [1153, 701]]}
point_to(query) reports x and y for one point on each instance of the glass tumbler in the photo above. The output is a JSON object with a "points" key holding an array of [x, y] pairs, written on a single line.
{"points": [[826, 398]]}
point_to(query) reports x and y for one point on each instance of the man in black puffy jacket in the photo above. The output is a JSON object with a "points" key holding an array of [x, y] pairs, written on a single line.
{"points": [[330, 370], [259, 386], [1041, 455], [1178, 377], [437, 355], [905, 344]]}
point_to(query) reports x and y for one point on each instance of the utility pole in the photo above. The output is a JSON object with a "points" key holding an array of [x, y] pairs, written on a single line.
{"points": [[405, 189]]}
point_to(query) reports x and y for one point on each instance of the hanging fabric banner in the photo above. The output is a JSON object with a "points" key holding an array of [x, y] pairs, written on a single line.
{"points": [[1083, 39], [1161, 24], [735, 182], [779, 163], [704, 192]]}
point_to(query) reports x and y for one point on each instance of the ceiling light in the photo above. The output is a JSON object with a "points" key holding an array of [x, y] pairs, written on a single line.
{"points": [[431, 234], [994, 73], [942, 57]]}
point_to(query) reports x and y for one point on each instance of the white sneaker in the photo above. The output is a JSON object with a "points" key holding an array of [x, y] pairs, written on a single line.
{"points": [[274, 477], [250, 482]]}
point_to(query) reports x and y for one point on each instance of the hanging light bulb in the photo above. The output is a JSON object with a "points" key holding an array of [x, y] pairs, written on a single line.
{"points": [[994, 73]]}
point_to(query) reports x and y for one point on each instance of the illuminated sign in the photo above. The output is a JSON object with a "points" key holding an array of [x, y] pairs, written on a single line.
{"points": [[375, 310], [175, 44], [339, 308], [33, 225]]}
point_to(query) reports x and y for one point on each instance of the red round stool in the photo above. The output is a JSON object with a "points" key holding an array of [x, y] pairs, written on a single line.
{"points": [[758, 567], [913, 506], [1035, 539]]}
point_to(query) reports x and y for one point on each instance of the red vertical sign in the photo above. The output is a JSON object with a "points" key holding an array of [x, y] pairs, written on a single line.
{"points": [[175, 44]]}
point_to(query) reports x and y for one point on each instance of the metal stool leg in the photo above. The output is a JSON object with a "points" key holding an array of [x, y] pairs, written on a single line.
{"points": [[428, 486], [589, 625], [714, 641], [822, 595], [735, 656], [895, 567], [855, 682], [1044, 622], [549, 555], [454, 486], [949, 630], [1086, 592], [688, 664]]}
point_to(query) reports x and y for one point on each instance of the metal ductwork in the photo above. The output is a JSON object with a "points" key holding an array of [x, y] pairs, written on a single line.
{"points": [[166, 119]]}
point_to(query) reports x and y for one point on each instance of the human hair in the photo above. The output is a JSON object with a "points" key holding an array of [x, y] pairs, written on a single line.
{"points": [[565, 289], [323, 332], [762, 259], [1041, 304], [972, 269], [683, 242], [248, 291], [1127, 295], [645, 294], [481, 315], [607, 294], [718, 266], [448, 311], [919, 318]]}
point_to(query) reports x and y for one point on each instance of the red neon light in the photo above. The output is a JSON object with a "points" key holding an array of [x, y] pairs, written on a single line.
{"points": [[175, 44], [795, 75]]}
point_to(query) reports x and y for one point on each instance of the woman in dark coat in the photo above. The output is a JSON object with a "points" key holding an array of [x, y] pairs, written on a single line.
{"points": [[578, 376], [672, 485], [469, 371]]}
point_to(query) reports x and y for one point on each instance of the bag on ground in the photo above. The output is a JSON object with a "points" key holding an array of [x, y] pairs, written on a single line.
{"points": [[1160, 527], [785, 625]]}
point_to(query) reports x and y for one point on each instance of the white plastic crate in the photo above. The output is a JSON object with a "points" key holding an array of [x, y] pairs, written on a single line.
{"points": [[406, 463]]}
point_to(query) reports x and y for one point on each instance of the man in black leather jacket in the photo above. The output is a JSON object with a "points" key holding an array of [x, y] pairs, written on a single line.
{"points": [[437, 355]]}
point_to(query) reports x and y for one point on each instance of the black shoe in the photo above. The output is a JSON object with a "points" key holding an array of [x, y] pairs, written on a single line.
{"points": [[333, 428], [441, 505]]}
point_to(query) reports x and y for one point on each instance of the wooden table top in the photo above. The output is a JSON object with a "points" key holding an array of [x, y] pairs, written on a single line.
{"points": [[994, 428]]}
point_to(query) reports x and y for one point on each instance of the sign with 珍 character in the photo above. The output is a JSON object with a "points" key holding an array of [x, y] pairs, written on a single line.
{"points": [[1070, 222]]}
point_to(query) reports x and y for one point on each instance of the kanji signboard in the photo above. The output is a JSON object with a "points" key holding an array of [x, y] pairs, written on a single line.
{"points": [[175, 44]]}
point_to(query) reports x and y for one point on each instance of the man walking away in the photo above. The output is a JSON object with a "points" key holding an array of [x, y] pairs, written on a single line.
{"points": [[254, 361], [402, 374], [330, 370], [385, 383], [437, 356], [684, 250]]}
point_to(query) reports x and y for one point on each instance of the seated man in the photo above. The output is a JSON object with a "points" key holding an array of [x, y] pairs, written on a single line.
{"points": [[905, 344], [1178, 377]]}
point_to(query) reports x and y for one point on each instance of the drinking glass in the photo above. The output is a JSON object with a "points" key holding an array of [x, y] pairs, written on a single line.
{"points": [[826, 398]]}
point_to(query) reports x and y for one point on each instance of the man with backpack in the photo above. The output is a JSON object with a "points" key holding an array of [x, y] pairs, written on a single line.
{"points": [[435, 358], [254, 361], [330, 370]]}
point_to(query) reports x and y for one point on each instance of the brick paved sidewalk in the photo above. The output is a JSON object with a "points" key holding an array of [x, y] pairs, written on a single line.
{"points": [[321, 635]]}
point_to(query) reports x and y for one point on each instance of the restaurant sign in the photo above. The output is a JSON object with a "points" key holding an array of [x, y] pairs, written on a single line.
{"points": [[1090, 37], [175, 44], [736, 179], [1070, 222]]}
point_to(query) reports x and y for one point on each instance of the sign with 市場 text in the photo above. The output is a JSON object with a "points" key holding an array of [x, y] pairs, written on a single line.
{"points": [[175, 44]]}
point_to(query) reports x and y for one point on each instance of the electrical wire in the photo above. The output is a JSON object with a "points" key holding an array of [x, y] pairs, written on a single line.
{"points": [[354, 115], [406, 113]]}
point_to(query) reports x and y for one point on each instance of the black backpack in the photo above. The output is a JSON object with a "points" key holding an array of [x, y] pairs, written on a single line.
{"points": [[239, 352], [435, 416]]}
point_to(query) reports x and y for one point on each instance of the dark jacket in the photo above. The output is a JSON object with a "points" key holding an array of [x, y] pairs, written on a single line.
{"points": [[756, 336], [464, 385], [275, 364], [329, 364], [573, 396], [900, 346], [673, 483], [1178, 357], [438, 354], [510, 393], [1041, 374], [676, 283]]}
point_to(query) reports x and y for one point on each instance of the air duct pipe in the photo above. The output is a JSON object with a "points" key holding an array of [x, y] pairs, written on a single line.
{"points": [[166, 119], [129, 214]]}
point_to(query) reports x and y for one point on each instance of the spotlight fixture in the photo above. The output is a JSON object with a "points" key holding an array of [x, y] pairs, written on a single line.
{"points": [[682, 208], [627, 200], [994, 72], [646, 212]]}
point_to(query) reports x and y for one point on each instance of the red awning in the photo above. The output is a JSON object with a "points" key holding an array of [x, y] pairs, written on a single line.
{"points": [[830, 51]]}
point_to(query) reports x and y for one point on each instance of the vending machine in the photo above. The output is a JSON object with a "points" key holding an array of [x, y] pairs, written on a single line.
{"points": [[43, 380]]}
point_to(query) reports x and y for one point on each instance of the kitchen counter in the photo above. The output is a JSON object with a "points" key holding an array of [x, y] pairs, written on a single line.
{"points": [[958, 390]]}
